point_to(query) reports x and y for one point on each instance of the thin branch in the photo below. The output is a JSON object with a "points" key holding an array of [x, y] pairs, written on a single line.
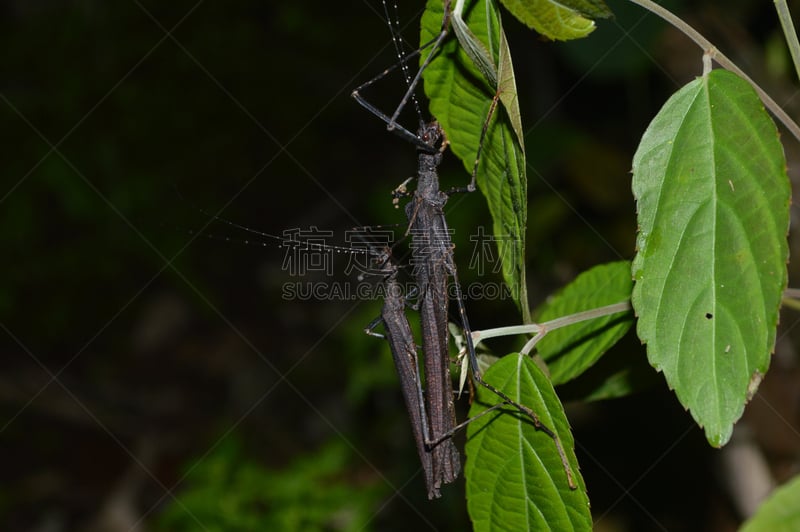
{"points": [[722, 60], [789, 33], [791, 293], [791, 298], [541, 329]]}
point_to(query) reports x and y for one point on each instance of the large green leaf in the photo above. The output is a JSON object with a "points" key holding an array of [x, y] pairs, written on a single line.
{"points": [[712, 195], [780, 512], [460, 99], [515, 477], [558, 20], [571, 350]]}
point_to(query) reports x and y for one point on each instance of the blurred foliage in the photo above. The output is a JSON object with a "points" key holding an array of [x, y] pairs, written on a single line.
{"points": [[609, 57], [225, 491]]}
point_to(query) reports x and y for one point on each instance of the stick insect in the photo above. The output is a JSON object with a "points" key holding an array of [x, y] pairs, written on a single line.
{"points": [[433, 268], [439, 457], [440, 460], [404, 352]]}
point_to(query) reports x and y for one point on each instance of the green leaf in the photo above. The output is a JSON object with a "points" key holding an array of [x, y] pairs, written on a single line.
{"points": [[460, 99], [499, 72], [571, 350], [712, 195], [780, 512], [480, 56], [555, 20], [515, 478], [507, 91], [588, 8]]}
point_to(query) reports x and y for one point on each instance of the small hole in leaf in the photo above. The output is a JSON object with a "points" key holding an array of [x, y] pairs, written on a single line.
{"points": [[709, 315]]}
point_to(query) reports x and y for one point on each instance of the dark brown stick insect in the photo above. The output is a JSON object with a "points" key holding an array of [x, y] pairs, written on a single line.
{"points": [[397, 332], [439, 457], [433, 269], [432, 262]]}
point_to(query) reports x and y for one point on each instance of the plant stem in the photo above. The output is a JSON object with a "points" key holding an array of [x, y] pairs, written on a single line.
{"points": [[541, 329], [789, 33], [791, 298], [722, 60]]}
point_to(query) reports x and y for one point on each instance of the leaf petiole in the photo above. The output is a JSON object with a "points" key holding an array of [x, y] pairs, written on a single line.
{"points": [[539, 330]]}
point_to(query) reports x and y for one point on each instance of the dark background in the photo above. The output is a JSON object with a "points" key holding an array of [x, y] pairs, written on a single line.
{"points": [[153, 379]]}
